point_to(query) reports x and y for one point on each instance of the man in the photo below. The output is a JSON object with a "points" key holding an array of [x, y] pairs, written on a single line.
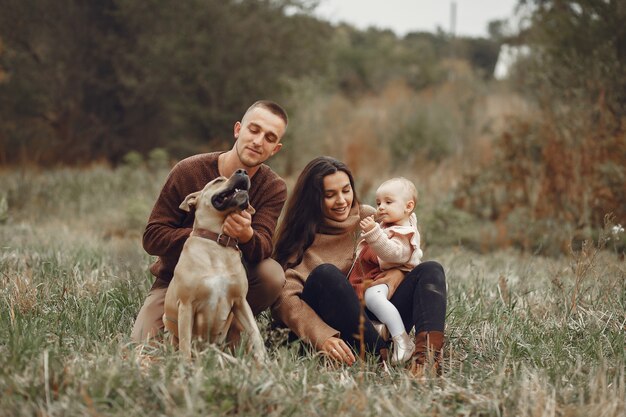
{"points": [[257, 138]]}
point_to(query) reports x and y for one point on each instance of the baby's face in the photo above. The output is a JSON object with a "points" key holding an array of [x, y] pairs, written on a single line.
{"points": [[394, 205]]}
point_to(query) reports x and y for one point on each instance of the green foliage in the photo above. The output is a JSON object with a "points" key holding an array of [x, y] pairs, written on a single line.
{"points": [[158, 158], [136, 215], [447, 227], [426, 132], [61, 93], [481, 53], [95, 80], [579, 55], [555, 173], [367, 61], [92, 81], [132, 159]]}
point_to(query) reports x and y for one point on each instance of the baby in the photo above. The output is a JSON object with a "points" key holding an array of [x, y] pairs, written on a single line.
{"points": [[394, 243]]}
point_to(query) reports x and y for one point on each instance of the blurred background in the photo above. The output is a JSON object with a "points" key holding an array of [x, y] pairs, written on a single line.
{"points": [[514, 134]]}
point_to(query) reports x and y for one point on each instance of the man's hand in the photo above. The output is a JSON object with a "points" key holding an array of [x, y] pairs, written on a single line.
{"points": [[338, 350], [239, 226], [368, 223]]}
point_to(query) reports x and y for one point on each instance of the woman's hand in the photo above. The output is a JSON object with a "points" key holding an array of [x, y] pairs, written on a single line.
{"points": [[392, 278], [338, 350]]}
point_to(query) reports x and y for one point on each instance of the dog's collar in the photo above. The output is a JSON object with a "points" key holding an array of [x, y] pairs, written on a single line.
{"points": [[220, 238]]}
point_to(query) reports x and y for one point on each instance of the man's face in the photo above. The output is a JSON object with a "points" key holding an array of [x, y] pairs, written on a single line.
{"points": [[258, 136]]}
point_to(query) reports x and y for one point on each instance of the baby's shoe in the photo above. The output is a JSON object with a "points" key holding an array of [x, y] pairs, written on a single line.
{"points": [[402, 349]]}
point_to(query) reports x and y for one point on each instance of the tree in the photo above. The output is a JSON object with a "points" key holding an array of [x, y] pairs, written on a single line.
{"points": [[93, 80], [560, 173], [60, 94], [579, 52]]}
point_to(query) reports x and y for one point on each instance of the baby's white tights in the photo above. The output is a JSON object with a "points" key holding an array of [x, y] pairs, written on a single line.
{"points": [[376, 301]]}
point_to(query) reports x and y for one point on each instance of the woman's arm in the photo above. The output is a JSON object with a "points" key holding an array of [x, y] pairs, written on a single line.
{"points": [[296, 314]]}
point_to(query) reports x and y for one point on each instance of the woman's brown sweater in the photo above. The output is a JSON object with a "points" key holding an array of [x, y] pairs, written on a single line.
{"points": [[334, 243]]}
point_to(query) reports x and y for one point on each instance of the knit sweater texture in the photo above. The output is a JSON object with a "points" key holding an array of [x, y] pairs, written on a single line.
{"points": [[396, 246], [169, 227], [380, 249], [334, 243]]}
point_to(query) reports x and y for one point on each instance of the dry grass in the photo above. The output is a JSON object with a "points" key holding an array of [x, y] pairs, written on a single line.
{"points": [[70, 292]]}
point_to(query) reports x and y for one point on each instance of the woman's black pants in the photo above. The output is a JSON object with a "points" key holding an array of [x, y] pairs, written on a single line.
{"points": [[420, 299]]}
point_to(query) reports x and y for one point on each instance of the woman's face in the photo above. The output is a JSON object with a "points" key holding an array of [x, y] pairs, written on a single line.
{"points": [[338, 196]]}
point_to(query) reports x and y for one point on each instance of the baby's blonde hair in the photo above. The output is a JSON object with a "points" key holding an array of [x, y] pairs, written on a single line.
{"points": [[406, 184]]}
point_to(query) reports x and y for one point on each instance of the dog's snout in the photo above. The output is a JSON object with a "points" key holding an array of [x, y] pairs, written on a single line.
{"points": [[241, 172]]}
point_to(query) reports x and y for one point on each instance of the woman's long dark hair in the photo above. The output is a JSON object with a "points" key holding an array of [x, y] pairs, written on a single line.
{"points": [[304, 212]]}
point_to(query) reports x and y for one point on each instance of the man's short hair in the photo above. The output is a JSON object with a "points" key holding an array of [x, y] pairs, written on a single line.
{"points": [[273, 108]]}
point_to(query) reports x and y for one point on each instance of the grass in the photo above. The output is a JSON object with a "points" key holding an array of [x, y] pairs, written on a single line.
{"points": [[527, 335]]}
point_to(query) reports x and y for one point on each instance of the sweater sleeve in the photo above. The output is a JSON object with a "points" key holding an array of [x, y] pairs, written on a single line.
{"points": [[163, 235], [393, 249], [296, 314], [264, 222]]}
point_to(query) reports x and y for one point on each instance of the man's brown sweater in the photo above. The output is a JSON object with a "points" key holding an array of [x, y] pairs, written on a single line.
{"points": [[168, 226]]}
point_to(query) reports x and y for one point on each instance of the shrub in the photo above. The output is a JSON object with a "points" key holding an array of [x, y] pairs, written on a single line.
{"points": [[546, 187], [424, 133], [158, 158], [132, 159]]}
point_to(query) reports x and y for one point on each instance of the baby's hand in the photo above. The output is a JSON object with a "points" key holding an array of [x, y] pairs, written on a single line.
{"points": [[367, 223]]}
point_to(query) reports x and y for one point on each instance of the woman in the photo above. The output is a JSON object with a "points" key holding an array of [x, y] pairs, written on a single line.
{"points": [[315, 245]]}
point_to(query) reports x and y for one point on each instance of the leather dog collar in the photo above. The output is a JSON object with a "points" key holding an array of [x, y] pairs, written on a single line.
{"points": [[220, 238]]}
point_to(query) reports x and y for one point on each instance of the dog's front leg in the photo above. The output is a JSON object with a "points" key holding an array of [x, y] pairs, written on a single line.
{"points": [[243, 313], [185, 325]]}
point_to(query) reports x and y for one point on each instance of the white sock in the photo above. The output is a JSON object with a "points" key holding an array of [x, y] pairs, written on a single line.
{"points": [[376, 301]]}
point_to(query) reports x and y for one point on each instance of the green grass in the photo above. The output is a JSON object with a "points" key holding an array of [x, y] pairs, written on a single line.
{"points": [[527, 335]]}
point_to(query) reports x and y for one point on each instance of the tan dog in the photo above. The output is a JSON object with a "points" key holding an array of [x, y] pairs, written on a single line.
{"points": [[210, 285]]}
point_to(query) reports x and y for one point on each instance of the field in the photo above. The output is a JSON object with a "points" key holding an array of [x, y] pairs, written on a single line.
{"points": [[527, 335]]}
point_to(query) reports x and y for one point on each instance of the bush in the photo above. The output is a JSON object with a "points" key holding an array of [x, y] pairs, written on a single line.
{"points": [[555, 176], [425, 133], [132, 159], [546, 188], [158, 158]]}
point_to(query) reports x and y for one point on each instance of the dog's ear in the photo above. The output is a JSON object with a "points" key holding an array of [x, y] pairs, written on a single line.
{"points": [[189, 201]]}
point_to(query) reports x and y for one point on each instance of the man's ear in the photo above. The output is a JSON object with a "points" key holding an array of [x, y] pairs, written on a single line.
{"points": [[277, 148], [236, 130], [189, 201]]}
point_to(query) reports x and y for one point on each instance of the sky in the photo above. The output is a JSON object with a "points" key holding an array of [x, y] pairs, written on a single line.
{"points": [[403, 16]]}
